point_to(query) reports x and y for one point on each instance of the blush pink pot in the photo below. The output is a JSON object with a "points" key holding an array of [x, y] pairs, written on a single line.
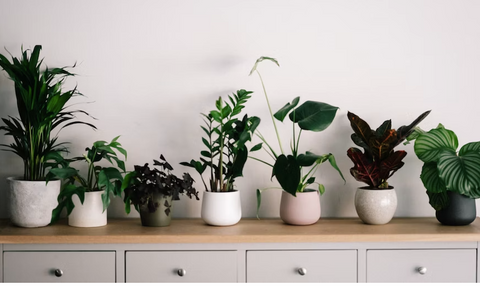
{"points": [[301, 210]]}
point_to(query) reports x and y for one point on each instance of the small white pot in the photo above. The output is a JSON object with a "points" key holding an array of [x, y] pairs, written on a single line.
{"points": [[32, 202], [90, 213], [302, 210], [375, 206], [221, 208]]}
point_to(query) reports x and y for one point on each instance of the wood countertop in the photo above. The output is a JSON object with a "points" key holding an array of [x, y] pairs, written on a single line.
{"points": [[130, 230]]}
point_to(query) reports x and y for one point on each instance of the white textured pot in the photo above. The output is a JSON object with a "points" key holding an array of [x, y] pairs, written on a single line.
{"points": [[221, 208], [90, 213], [301, 210], [32, 202], [375, 206]]}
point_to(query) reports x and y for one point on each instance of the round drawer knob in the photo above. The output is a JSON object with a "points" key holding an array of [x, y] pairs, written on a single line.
{"points": [[422, 270], [58, 272], [302, 271], [181, 272]]}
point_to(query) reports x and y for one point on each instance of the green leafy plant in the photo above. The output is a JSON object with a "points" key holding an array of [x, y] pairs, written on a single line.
{"points": [[108, 179], [378, 161], [444, 168], [42, 108], [226, 140], [288, 168], [144, 182]]}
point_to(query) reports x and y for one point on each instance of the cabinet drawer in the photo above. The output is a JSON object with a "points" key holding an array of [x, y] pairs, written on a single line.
{"points": [[455, 265], [288, 266], [181, 266], [74, 266]]}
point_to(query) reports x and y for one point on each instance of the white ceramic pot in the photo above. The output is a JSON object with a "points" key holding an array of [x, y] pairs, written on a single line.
{"points": [[375, 206], [302, 210], [221, 208], [90, 213], [32, 202]]}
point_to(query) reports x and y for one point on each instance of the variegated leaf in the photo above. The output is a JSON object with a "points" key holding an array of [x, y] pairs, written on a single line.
{"points": [[460, 173], [428, 146]]}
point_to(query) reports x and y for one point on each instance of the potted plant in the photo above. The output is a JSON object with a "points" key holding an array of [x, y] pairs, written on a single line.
{"points": [[152, 190], [41, 103], [377, 202], [87, 198], [226, 155], [451, 178], [299, 204]]}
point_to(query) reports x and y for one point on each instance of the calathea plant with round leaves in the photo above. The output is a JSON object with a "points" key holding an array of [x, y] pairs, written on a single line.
{"points": [[445, 169], [288, 168]]}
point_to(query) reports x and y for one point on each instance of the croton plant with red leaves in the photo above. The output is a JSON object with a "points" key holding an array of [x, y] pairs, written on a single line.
{"points": [[378, 161]]}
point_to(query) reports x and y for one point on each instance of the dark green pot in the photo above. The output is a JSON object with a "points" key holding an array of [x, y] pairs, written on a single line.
{"points": [[460, 212], [158, 218]]}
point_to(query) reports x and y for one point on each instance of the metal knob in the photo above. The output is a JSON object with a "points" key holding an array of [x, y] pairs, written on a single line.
{"points": [[302, 271], [181, 272], [422, 270], [58, 272]]}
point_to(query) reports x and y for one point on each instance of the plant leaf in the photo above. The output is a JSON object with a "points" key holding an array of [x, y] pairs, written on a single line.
{"points": [[313, 116], [429, 145], [283, 112], [287, 172], [260, 60], [431, 179], [460, 173]]}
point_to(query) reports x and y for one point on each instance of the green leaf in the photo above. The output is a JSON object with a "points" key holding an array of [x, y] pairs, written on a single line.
{"points": [[470, 147], [283, 112], [438, 200], [430, 145], [431, 178], [309, 158], [287, 172], [313, 116], [332, 161], [259, 200], [321, 188], [460, 173], [256, 147], [262, 59]]}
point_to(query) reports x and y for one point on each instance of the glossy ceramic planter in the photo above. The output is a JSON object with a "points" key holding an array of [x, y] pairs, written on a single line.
{"points": [[375, 206], [158, 218], [461, 211], [32, 202], [302, 210], [221, 208], [90, 213]]}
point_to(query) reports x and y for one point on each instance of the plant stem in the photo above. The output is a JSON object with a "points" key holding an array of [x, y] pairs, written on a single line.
{"points": [[270, 109], [261, 161]]}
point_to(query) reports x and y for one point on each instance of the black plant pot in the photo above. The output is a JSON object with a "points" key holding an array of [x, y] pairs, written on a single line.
{"points": [[460, 212]]}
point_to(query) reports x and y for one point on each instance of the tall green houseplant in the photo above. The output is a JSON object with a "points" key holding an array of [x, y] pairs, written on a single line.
{"points": [[288, 168], [41, 103]]}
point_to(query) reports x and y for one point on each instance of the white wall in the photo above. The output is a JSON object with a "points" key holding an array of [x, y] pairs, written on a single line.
{"points": [[148, 68]]}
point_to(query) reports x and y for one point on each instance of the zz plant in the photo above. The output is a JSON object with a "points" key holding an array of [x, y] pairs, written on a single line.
{"points": [[378, 161], [226, 138], [288, 168], [98, 178], [446, 169], [41, 103]]}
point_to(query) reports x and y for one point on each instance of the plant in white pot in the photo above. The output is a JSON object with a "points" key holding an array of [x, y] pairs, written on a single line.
{"points": [[225, 156], [377, 202], [299, 204], [451, 178], [152, 190], [41, 104], [87, 198]]}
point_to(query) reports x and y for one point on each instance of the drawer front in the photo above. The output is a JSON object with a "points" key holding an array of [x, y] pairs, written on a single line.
{"points": [[181, 266], [455, 265], [302, 266], [74, 266]]}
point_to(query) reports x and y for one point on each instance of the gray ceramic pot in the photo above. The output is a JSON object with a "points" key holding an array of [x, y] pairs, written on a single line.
{"points": [[461, 210]]}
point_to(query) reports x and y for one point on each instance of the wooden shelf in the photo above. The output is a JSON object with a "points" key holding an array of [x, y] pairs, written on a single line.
{"points": [[130, 230]]}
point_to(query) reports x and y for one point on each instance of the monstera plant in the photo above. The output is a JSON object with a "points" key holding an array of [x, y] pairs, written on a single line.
{"points": [[377, 202], [451, 178], [378, 161], [290, 168]]}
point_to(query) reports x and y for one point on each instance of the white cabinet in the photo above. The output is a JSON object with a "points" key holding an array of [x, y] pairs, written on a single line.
{"points": [[59, 267], [433, 266], [302, 266], [181, 266]]}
